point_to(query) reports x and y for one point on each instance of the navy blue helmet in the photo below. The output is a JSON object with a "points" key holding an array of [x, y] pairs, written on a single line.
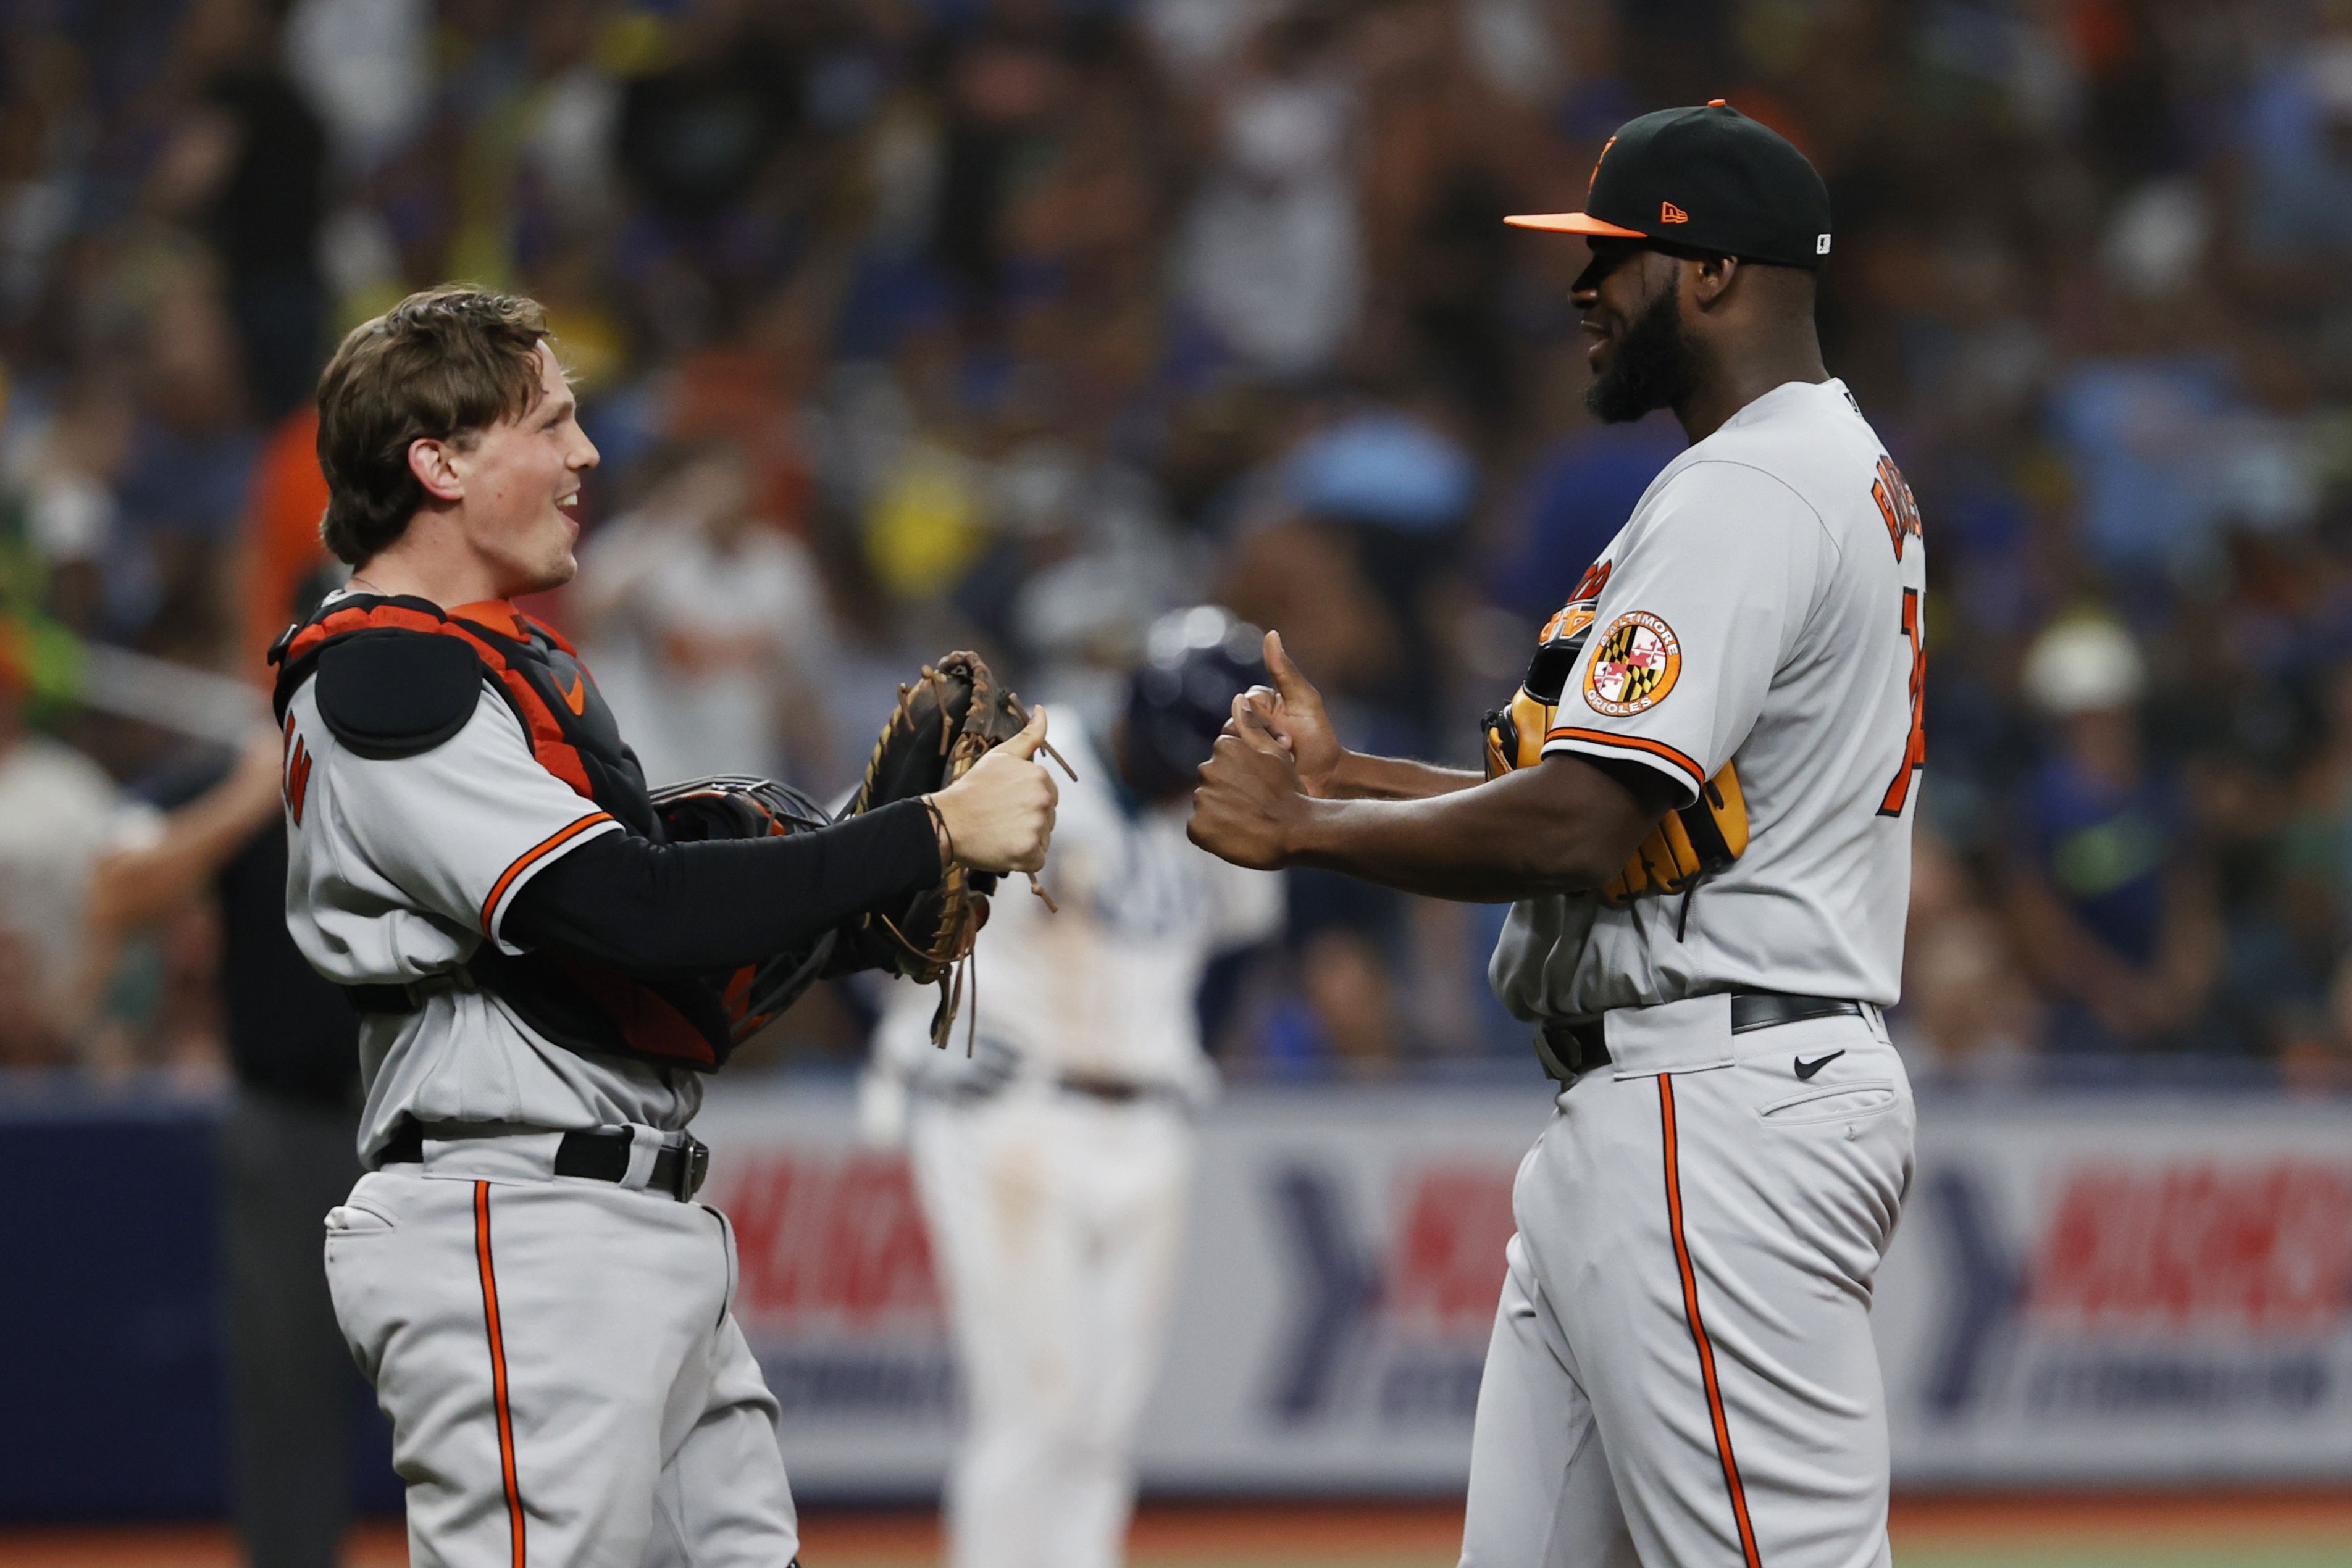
{"points": [[1195, 663]]}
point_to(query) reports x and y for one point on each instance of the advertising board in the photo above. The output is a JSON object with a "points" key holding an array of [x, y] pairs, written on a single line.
{"points": [[2127, 1289]]}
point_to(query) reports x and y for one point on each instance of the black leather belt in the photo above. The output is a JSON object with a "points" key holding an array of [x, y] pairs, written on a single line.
{"points": [[1574, 1048], [598, 1155]]}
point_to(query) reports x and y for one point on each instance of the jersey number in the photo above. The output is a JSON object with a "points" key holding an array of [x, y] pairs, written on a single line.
{"points": [[1915, 747]]}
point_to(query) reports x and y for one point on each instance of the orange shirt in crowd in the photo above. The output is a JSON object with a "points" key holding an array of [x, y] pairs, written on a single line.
{"points": [[280, 544]]}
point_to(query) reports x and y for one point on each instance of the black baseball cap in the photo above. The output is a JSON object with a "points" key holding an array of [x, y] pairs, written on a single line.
{"points": [[1707, 178]]}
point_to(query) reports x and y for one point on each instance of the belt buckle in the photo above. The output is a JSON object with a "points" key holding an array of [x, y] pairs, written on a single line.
{"points": [[693, 1166]]}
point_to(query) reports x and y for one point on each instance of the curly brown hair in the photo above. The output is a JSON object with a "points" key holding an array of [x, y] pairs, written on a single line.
{"points": [[442, 365]]}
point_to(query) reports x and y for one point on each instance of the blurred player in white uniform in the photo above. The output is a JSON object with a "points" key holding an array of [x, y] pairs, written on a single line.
{"points": [[1054, 1162]]}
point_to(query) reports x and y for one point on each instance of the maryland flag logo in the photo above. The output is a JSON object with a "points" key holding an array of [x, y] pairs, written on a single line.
{"points": [[1634, 666]]}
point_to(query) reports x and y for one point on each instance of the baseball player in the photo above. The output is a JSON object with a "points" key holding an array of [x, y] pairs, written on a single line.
{"points": [[1054, 1163], [1701, 812], [522, 1273]]}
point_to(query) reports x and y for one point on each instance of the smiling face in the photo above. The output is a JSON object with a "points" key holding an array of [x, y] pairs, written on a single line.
{"points": [[519, 483], [1642, 359]]}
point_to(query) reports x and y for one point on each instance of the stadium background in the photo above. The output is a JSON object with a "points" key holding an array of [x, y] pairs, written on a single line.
{"points": [[905, 324]]}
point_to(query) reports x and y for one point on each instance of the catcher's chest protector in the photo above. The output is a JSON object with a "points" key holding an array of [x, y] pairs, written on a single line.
{"points": [[1687, 846], [398, 676]]}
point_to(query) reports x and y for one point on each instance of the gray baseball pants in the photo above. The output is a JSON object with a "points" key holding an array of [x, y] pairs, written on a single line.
{"points": [[1682, 1373], [566, 1383]]}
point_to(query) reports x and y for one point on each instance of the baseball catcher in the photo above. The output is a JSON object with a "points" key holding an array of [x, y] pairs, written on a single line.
{"points": [[548, 957]]}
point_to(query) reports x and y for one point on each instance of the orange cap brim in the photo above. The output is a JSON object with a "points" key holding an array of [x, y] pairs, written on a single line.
{"points": [[1572, 224]]}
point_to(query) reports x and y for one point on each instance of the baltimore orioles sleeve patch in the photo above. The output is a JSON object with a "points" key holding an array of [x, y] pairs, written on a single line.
{"points": [[1635, 662], [397, 694]]}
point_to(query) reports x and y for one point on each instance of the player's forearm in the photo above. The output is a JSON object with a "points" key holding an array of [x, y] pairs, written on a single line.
{"points": [[1522, 836], [644, 906], [133, 887], [1361, 777], [1404, 845]]}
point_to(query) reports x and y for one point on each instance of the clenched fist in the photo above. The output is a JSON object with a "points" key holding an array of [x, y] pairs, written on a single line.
{"points": [[1000, 815], [1249, 805]]}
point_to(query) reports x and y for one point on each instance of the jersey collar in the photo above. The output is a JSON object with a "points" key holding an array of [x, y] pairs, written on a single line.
{"points": [[1786, 394]]}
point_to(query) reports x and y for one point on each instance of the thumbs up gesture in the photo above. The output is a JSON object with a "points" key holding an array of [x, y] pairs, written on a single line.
{"points": [[999, 817], [1292, 711]]}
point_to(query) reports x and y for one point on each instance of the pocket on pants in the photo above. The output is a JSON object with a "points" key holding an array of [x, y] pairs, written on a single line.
{"points": [[734, 1263], [354, 1264], [1831, 1103], [353, 1218]]}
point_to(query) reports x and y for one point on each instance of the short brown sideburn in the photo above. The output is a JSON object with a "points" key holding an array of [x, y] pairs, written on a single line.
{"points": [[444, 365]]}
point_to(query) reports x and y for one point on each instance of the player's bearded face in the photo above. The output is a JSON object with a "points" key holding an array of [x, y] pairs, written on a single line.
{"points": [[1652, 366], [522, 483]]}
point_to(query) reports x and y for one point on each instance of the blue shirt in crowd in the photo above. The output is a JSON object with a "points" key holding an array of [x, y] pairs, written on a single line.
{"points": [[2105, 852]]}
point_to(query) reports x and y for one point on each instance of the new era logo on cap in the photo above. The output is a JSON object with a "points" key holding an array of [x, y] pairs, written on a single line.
{"points": [[1670, 213], [1820, 244]]}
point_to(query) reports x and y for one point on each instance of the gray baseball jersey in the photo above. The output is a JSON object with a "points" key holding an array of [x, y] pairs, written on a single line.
{"points": [[399, 869], [1681, 1368], [1762, 606], [557, 1353]]}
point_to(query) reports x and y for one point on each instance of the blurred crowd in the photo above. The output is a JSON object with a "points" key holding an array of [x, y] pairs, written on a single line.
{"points": [[905, 325]]}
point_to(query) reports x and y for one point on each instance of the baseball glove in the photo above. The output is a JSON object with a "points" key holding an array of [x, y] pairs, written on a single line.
{"points": [[731, 807], [1687, 847], [953, 715]]}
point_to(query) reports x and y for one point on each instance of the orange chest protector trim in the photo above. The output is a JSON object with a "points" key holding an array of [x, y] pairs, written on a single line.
{"points": [[1688, 846], [398, 676]]}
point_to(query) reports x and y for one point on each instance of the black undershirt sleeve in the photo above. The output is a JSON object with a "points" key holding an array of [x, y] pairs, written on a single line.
{"points": [[628, 901]]}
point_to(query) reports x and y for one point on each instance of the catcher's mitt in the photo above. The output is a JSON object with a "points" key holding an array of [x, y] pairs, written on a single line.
{"points": [[729, 806], [951, 717]]}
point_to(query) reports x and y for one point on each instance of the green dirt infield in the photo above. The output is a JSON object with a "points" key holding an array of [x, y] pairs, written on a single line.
{"points": [[2210, 1529]]}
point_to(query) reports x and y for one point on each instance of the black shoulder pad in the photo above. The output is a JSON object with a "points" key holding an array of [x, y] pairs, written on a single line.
{"points": [[397, 694]]}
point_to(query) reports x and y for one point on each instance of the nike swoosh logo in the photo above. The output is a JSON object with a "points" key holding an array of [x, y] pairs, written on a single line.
{"points": [[1807, 1069], [576, 699]]}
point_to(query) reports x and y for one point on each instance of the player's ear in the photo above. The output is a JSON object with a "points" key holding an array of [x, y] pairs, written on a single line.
{"points": [[433, 463], [1709, 278]]}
